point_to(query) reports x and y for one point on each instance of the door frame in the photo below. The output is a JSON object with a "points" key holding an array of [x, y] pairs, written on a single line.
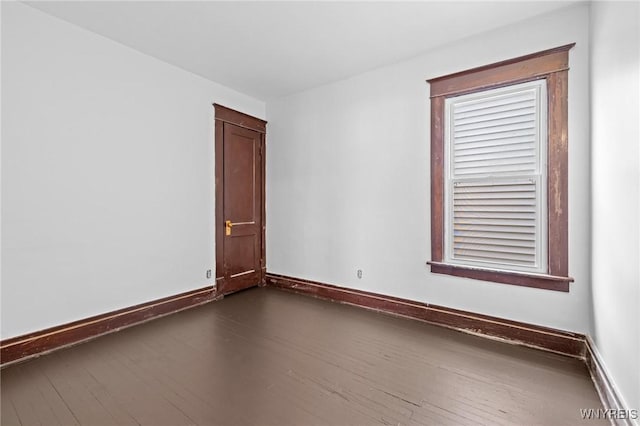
{"points": [[230, 116]]}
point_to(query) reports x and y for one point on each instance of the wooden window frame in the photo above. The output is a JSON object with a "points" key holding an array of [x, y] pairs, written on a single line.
{"points": [[552, 65]]}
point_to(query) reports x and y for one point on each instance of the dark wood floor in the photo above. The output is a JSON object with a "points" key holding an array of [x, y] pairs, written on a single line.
{"points": [[267, 357]]}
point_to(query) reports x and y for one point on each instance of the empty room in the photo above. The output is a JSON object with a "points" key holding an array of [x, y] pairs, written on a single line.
{"points": [[320, 213]]}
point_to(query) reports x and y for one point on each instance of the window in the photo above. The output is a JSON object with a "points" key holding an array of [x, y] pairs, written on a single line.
{"points": [[499, 172], [495, 176]]}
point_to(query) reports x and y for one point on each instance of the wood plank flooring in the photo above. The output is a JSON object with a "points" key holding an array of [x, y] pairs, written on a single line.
{"points": [[268, 357]]}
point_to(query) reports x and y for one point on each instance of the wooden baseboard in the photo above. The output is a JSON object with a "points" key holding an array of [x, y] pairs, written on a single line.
{"points": [[563, 342], [34, 344], [607, 392]]}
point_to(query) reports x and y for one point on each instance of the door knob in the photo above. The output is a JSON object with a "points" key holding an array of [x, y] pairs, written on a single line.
{"points": [[227, 226]]}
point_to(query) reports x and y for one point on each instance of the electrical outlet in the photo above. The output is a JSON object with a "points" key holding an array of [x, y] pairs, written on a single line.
{"points": [[208, 273], [359, 273]]}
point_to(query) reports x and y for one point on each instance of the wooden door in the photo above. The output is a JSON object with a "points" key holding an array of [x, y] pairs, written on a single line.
{"points": [[239, 200]]}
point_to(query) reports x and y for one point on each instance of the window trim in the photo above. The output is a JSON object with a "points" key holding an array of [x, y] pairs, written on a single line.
{"points": [[552, 65]]}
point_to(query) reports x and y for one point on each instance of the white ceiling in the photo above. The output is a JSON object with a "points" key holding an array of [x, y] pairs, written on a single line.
{"points": [[271, 49]]}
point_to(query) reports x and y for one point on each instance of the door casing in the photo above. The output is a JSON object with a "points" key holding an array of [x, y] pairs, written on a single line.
{"points": [[227, 115]]}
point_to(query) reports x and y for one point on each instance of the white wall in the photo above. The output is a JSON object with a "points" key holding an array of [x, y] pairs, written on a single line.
{"points": [[107, 173], [348, 179], [615, 115]]}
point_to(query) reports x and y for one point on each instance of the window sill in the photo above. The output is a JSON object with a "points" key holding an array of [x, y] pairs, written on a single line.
{"points": [[547, 282]]}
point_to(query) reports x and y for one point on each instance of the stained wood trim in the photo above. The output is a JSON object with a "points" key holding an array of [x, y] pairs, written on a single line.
{"points": [[219, 209], [551, 65], [547, 282], [34, 344], [563, 342], [437, 178], [557, 174], [238, 118], [511, 71], [263, 243], [606, 391]]}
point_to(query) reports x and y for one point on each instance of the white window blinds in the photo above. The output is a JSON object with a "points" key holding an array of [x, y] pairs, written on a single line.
{"points": [[495, 168]]}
